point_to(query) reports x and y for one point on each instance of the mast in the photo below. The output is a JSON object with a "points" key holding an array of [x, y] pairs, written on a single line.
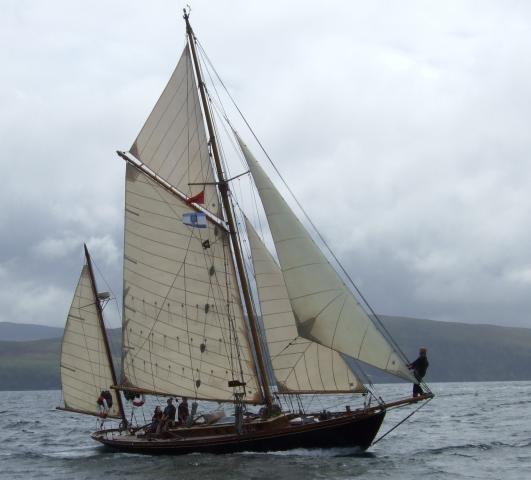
{"points": [[224, 192], [104, 333]]}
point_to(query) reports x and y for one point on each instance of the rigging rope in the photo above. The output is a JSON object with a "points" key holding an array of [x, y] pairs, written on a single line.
{"points": [[377, 319], [346, 276], [422, 405]]}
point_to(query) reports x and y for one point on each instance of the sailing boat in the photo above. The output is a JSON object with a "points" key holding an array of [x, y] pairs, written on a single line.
{"points": [[199, 321]]}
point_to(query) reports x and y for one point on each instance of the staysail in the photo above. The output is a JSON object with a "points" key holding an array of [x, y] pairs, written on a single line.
{"points": [[300, 365], [325, 309], [172, 142], [184, 332], [85, 368]]}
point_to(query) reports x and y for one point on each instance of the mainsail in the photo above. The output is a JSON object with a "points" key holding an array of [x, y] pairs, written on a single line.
{"points": [[300, 365], [85, 368], [172, 142], [325, 309], [184, 332]]}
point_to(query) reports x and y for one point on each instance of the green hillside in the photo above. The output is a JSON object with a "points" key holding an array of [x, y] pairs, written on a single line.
{"points": [[30, 365], [456, 351], [465, 352], [34, 365], [18, 332]]}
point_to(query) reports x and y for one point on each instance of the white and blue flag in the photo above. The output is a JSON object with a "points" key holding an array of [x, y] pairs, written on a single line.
{"points": [[195, 219]]}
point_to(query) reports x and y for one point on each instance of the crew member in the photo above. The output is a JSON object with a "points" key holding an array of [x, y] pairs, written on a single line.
{"points": [[103, 405], [183, 412], [419, 367], [156, 419], [168, 416]]}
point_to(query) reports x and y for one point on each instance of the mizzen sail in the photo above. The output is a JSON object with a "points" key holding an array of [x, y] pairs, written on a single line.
{"points": [[184, 332], [172, 142], [85, 368], [300, 365], [325, 309]]}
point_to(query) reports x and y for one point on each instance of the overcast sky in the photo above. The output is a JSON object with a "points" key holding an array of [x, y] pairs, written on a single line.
{"points": [[403, 127]]}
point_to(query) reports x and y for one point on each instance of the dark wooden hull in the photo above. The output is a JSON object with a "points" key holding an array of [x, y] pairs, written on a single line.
{"points": [[347, 430]]}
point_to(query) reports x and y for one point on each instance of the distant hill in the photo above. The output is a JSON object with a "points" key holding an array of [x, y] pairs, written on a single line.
{"points": [[30, 365], [465, 352], [456, 351], [22, 332], [34, 365]]}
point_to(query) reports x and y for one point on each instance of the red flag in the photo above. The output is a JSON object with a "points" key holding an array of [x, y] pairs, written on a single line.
{"points": [[199, 198]]}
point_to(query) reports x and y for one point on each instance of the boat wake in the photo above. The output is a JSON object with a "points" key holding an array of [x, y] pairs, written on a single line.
{"points": [[313, 452], [75, 452]]}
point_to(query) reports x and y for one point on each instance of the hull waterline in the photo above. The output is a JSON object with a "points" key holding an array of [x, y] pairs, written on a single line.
{"points": [[356, 431]]}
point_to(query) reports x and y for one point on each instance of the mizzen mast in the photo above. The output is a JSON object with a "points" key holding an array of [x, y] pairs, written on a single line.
{"points": [[224, 192], [104, 334]]}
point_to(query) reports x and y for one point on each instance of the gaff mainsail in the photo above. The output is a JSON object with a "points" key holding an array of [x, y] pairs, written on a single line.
{"points": [[183, 326]]}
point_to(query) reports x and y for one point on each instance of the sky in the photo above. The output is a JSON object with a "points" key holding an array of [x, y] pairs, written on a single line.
{"points": [[402, 127]]}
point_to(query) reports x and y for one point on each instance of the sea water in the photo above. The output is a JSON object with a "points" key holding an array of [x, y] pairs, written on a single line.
{"points": [[469, 431]]}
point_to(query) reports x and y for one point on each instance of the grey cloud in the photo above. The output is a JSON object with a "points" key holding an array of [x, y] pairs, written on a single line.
{"points": [[403, 128]]}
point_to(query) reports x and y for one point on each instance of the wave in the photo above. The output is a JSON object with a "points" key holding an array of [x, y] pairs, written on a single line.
{"points": [[19, 424], [25, 455], [465, 447], [474, 413], [513, 404]]}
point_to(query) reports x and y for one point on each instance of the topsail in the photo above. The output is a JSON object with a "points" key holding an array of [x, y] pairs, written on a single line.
{"points": [[173, 142]]}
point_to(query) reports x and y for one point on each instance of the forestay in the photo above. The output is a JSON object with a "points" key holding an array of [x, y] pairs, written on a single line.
{"points": [[300, 365], [172, 142], [85, 369], [325, 309], [183, 328]]}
